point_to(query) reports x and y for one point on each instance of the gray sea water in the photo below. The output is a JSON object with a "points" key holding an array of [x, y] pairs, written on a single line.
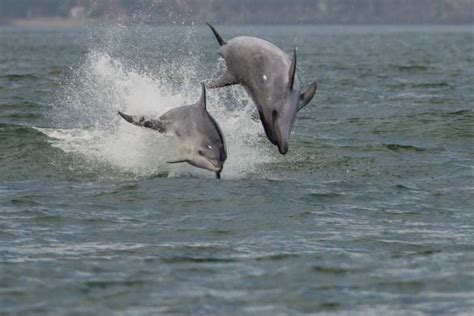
{"points": [[370, 212]]}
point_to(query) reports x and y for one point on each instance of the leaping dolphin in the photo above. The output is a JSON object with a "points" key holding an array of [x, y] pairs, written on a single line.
{"points": [[200, 137], [269, 77]]}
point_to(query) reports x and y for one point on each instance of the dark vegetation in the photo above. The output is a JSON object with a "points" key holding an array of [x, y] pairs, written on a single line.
{"points": [[249, 11]]}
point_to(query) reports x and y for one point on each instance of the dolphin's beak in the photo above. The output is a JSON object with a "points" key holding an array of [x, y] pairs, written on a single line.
{"points": [[283, 147], [282, 136], [219, 170], [281, 129], [218, 165]]}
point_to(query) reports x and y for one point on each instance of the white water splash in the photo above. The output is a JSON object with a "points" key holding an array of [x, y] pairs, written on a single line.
{"points": [[103, 85]]}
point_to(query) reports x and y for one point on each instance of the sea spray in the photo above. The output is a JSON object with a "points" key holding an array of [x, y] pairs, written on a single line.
{"points": [[107, 81]]}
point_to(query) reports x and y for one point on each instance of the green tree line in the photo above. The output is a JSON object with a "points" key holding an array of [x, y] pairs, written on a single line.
{"points": [[252, 11]]}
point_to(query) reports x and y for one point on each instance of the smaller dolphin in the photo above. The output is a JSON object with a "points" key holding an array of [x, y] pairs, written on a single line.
{"points": [[200, 137], [269, 77]]}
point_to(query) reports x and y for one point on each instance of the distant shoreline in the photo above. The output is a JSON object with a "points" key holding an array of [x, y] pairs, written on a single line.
{"points": [[53, 22], [60, 22]]}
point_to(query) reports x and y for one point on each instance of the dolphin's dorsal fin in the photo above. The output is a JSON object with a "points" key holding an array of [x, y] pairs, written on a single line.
{"points": [[306, 97], [202, 101], [217, 35], [292, 73]]}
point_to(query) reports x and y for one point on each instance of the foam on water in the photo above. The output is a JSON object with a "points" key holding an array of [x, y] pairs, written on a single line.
{"points": [[103, 84]]}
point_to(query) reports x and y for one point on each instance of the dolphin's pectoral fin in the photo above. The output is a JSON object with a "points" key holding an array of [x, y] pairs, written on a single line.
{"points": [[224, 80], [141, 121], [306, 97], [178, 161]]}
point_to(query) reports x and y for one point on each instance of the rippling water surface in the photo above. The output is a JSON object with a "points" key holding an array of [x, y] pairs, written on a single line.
{"points": [[370, 212]]}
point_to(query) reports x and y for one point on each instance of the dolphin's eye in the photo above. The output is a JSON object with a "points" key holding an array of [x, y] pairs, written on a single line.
{"points": [[200, 153]]}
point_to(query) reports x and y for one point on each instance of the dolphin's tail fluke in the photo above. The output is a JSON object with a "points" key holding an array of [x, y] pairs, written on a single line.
{"points": [[141, 121], [217, 35]]}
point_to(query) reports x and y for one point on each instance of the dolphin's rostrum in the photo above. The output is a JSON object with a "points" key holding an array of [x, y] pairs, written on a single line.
{"points": [[269, 77], [200, 138]]}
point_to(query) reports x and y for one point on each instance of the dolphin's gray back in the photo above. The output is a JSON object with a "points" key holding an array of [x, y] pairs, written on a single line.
{"points": [[259, 66], [179, 120], [184, 121]]}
